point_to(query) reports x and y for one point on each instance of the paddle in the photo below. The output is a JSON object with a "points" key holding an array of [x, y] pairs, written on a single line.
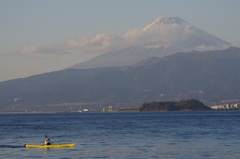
{"points": [[48, 139]]}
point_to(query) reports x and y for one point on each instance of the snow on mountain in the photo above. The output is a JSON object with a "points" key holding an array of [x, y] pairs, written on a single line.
{"points": [[164, 36], [181, 34], [155, 25]]}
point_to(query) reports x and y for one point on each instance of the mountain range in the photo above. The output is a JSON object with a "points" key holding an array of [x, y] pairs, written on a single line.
{"points": [[207, 76], [169, 60]]}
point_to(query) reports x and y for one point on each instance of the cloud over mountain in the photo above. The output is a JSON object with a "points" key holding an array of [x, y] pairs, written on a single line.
{"points": [[167, 31]]}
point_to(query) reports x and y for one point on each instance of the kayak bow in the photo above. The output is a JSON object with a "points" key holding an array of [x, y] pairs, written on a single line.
{"points": [[49, 146]]}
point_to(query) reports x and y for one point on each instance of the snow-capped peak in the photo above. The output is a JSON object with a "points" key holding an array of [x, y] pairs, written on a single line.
{"points": [[169, 20], [164, 21], [164, 36]]}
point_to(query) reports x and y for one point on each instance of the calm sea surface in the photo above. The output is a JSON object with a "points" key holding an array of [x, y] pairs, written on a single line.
{"points": [[170, 135]]}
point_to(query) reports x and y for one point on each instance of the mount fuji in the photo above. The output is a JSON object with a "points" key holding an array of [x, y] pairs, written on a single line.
{"points": [[197, 72], [164, 36]]}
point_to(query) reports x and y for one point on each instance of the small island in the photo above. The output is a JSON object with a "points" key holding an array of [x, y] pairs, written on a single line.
{"points": [[182, 105]]}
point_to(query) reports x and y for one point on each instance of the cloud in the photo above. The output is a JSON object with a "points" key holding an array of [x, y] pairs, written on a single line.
{"points": [[30, 49], [205, 47], [164, 34], [97, 44]]}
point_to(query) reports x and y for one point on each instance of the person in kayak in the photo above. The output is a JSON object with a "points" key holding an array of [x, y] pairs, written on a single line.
{"points": [[47, 141]]}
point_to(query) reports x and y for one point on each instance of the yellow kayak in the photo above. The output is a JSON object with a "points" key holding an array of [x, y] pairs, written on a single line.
{"points": [[49, 146]]}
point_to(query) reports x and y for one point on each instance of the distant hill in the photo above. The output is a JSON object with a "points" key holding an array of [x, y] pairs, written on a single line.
{"points": [[206, 76], [182, 105]]}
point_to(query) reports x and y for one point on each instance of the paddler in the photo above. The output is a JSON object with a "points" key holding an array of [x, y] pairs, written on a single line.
{"points": [[47, 141]]}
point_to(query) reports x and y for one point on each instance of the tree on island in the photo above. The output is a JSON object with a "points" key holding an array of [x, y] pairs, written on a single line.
{"points": [[182, 105]]}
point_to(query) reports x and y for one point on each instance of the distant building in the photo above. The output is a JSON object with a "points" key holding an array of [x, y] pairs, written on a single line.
{"points": [[226, 106], [218, 107], [110, 108], [85, 110], [236, 106]]}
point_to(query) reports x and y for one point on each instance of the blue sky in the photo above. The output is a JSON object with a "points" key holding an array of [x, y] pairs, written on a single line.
{"points": [[28, 26]]}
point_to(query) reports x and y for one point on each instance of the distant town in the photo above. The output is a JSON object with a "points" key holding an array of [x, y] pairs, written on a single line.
{"points": [[235, 106], [94, 107]]}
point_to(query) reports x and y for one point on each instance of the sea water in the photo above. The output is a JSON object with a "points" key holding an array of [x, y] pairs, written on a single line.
{"points": [[168, 135]]}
